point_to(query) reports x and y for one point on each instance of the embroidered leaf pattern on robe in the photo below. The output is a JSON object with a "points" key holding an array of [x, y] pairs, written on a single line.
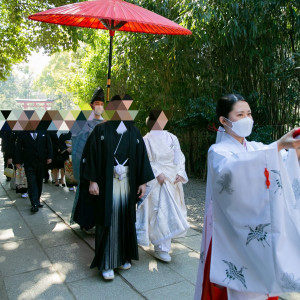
{"points": [[258, 234], [202, 257], [296, 188], [232, 273], [225, 182], [290, 283], [278, 180]]}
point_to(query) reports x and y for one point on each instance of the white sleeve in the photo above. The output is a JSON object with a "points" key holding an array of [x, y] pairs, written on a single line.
{"points": [[155, 168], [179, 159]]}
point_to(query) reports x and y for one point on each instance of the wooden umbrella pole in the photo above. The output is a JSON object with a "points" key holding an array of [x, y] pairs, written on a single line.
{"points": [[111, 33]]}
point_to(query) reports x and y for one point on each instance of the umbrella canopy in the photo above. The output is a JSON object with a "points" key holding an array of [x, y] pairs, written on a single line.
{"points": [[110, 15]]}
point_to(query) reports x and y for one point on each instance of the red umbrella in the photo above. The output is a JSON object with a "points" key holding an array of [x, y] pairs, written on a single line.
{"points": [[110, 15]]}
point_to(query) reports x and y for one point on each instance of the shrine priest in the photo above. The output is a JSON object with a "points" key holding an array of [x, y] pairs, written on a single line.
{"points": [[83, 212]]}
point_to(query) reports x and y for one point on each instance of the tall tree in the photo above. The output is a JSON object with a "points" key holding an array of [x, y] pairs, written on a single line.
{"points": [[19, 36], [8, 93], [251, 47], [56, 78]]}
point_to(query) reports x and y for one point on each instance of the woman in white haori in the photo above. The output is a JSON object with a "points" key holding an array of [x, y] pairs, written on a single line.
{"points": [[251, 238], [162, 214]]}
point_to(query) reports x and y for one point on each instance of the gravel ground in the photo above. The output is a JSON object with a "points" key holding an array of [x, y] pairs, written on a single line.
{"points": [[194, 192]]}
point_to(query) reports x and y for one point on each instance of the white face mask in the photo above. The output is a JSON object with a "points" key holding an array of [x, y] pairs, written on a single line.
{"points": [[242, 127], [98, 111]]}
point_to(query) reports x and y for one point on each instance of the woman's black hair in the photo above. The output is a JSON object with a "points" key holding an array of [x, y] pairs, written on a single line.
{"points": [[225, 104]]}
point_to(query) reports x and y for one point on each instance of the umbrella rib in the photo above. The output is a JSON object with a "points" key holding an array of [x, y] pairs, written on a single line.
{"points": [[142, 12], [96, 22], [74, 20], [103, 10], [77, 21], [123, 11], [58, 18], [85, 22], [156, 28], [137, 12], [140, 15], [65, 20], [132, 26]]}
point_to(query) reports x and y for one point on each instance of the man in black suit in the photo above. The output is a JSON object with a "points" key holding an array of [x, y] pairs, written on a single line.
{"points": [[34, 149]]}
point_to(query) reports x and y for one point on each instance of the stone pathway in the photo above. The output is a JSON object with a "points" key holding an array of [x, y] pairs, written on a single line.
{"points": [[43, 257]]}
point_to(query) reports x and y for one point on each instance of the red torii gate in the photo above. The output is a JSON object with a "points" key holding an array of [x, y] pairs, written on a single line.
{"points": [[35, 103]]}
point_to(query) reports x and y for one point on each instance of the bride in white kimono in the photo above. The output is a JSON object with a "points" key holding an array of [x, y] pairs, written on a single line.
{"points": [[251, 238], [162, 214]]}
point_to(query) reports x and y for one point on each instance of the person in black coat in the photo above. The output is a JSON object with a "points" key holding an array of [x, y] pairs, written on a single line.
{"points": [[33, 149], [83, 209], [11, 154], [57, 165], [5, 136], [65, 140], [117, 169]]}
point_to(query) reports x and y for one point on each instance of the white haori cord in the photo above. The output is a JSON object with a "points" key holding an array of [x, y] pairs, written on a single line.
{"points": [[120, 168]]}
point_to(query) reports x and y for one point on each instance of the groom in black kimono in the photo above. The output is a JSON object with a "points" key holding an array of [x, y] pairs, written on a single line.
{"points": [[118, 168]]}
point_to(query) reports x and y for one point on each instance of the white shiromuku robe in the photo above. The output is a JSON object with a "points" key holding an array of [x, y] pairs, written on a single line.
{"points": [[254, 226], [162, 215]]}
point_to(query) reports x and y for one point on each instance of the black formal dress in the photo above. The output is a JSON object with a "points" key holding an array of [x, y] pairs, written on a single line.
{"points": [[33, 149]]}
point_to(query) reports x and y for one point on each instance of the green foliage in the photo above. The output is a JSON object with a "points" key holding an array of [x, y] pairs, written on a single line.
{"points": [[263, 133], [8, 93], [17, 85], [19, 35], [250, 47], [57, 77]]}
